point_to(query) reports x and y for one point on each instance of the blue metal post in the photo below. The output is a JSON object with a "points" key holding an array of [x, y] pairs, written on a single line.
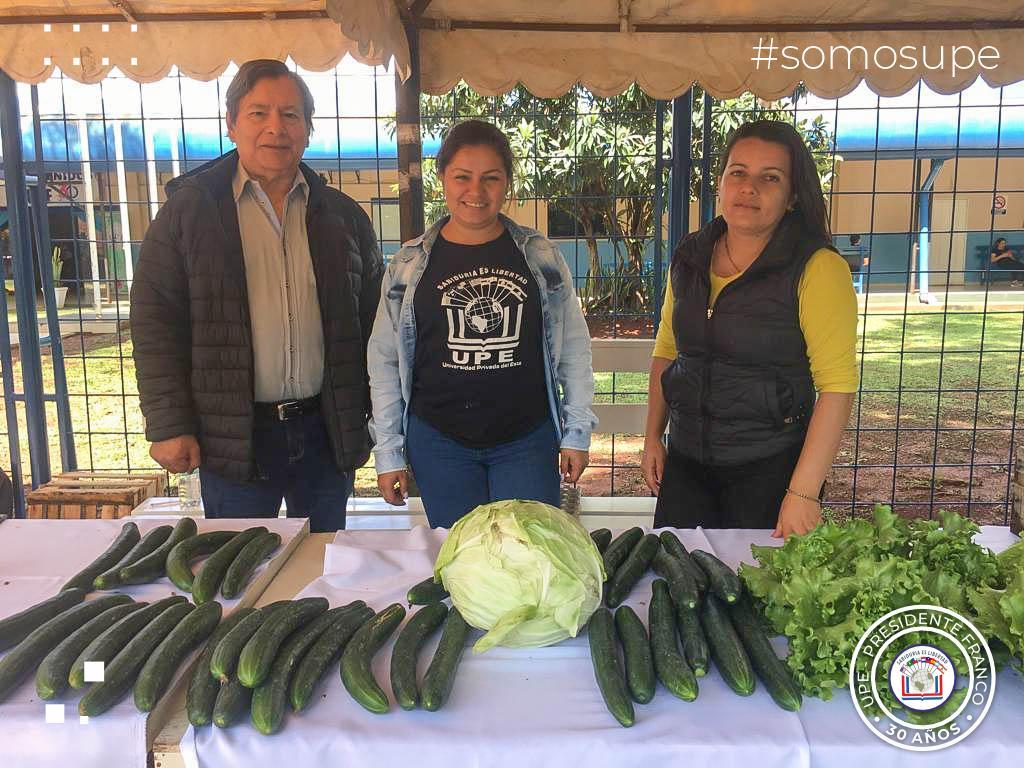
{"points": [[659, 206], [707, 200], [682, 166], [924, 216], [24, 282]]}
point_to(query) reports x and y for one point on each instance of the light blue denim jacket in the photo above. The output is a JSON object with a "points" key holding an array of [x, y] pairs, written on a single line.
{"points": [[567, 364]]}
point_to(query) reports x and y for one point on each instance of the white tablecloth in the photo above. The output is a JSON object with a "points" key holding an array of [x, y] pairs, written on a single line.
{"points": [[36, 558]]}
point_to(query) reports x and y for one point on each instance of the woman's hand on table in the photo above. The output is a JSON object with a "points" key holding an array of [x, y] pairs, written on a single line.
{"points": [[652, 465], [571, 463], [797, 515], [394, 486]]}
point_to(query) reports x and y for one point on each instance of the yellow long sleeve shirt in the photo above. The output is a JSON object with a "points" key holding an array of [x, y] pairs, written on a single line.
{"points": [[828, 320]]}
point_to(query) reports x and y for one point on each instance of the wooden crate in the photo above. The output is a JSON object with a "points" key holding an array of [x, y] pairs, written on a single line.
{"points": [[93, 495]]}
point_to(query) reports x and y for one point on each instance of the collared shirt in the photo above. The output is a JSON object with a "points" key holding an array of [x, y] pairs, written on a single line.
{"points": [[287, 334]]}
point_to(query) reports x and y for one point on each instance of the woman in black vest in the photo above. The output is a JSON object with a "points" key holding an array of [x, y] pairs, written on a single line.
{"points": [[754, 367]]}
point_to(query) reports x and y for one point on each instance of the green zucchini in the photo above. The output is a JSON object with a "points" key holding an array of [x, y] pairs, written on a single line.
{"points": [[154, 565], [232, 703], [680, 583], [356, 674], [327, 649], [695, 645], [268, 700], [248, 560], [159, 669], [111, 578], [259, 652], [618, 550], [722, 581], [726, 649], [672, 669], [440, 677], [675, 547], [403, 656], [772, 670], [22, 660], [426, 592], [224, 658], [179, 559], [126, 539], [631, 570], [602, 537], [202, 687], [109, 643], [636, 652], [119, 675], [18, 626], [211, 573], [604, 654], [52, 673]]}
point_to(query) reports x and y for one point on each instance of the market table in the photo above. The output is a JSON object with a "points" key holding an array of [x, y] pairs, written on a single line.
{"points": [[541, 707]]}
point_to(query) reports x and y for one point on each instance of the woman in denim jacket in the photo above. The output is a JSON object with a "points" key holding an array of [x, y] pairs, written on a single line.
{"points": [[479, 360]]}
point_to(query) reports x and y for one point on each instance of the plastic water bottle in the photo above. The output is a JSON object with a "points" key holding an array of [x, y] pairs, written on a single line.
{"points": [[189, 492]]}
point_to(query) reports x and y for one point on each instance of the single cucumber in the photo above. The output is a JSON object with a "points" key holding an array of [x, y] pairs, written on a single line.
{"points": [[268, 700], [680, 583], [259, 652], [110, 642], [327, 649], [672, 669], [111, 578], [211, 573], [356, 673], [52, 673], [440, 677], [225, 655], [248, 560], [630, 571], [22, 660], [604, 654], [232, 703], [695, 645], [154, 565], [161, 665], [126, 539], [119, 675], [618, 550], [726, 649], [722, 581], [426, 592], [772, 670], [636, 652], [675, 547], [179, 559], [602, 537], [18, 626], [203, 688], [403, 656]]}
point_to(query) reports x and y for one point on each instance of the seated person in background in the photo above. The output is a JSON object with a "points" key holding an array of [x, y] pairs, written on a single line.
{"points": [[1003, 258]]}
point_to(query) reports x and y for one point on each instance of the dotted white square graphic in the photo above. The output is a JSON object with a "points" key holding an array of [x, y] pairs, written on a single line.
{"points": [[105, 28], [76, 27], [83, 719], [47, 61], [47, 28], [55, 713], [75, 61], [105, 61], [94, 671], [135, 61]]}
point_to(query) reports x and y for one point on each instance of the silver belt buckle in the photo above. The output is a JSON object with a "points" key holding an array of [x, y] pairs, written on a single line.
{"points": [[284, 410]]}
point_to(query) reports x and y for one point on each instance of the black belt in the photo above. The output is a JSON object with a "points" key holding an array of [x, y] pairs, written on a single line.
{"points": [[287, 409]]}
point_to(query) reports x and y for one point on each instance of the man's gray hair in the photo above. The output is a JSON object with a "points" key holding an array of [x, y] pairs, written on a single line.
{"points": [[251, 72]]}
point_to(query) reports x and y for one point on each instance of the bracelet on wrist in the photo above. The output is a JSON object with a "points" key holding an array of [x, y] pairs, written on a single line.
{"points": [[815, 499]]}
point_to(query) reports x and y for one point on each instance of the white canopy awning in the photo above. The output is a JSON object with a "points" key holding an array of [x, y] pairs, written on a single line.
{"points": [[663, 45]]}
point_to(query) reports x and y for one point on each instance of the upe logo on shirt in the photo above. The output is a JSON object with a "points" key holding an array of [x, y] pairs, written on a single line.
{"points": [[485, 316], [922, 678]]}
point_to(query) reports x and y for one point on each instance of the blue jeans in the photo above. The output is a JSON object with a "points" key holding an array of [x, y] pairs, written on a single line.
{"points": [[294, 461], [453, 479]]}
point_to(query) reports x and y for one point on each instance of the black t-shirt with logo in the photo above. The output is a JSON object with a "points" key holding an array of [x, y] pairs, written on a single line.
{"points": [[478, 371]]}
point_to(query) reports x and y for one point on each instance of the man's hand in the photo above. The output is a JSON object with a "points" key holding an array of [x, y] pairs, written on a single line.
{"points": [[394, 486], [572, 463], [178, 454]]}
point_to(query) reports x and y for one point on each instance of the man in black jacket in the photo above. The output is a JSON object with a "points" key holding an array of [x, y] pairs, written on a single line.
{"points": [[251, 307]]}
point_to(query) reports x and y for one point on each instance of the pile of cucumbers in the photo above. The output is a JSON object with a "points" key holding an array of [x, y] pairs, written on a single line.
{"points": [[698, 610]]}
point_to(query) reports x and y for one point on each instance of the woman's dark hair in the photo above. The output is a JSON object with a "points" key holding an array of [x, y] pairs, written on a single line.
{"points": [[474, 133], [251, 72], [810, 202], [995, 245]]}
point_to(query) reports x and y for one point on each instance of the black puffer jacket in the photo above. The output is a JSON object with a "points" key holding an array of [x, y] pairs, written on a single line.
{"points": [[190, 319]]}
